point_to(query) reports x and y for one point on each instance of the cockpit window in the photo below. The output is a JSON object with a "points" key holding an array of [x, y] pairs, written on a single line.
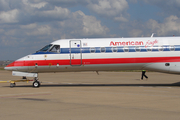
{"points": [[44, 49], [55, 48]]}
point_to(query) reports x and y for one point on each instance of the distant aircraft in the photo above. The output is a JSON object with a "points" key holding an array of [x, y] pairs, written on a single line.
{"points": [[161, 54]]}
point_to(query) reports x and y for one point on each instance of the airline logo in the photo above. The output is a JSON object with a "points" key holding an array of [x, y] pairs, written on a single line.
{"points": [[134, 43], [151, 43]]}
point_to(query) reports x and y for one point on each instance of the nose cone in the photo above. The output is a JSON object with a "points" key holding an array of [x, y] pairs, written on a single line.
{"points": [[5, 68], [10, 67], [17, 65]]}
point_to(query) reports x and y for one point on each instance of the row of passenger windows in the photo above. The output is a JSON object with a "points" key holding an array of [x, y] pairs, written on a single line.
{"points": [[137, 49], [56, 48]]}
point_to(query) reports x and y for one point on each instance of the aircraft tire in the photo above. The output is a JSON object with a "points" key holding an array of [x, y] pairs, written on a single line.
{"points": [[36, 84], [12, 85]]}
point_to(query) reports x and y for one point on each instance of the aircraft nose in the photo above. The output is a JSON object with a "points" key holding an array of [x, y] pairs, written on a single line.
{"points": [[7, 68], [15, 66], [10, 67]]}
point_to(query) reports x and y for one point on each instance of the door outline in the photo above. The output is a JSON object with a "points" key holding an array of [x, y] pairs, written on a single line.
{"points": [[79, 54]]}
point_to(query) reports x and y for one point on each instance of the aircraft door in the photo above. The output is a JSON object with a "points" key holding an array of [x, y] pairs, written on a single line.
{"points": [[75, 52]]}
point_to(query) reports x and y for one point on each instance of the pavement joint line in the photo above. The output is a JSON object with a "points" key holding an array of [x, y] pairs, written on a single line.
{"points": [[174, 96], [24, 94], [49, 82]]}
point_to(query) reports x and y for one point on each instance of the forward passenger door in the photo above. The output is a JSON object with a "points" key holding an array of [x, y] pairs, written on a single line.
{"points": [[75, 52]]}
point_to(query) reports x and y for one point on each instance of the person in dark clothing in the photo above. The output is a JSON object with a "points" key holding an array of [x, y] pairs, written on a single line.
{"points": [[143, 75]]}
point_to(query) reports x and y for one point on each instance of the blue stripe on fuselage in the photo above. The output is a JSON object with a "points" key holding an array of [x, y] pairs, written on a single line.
{"points": [[111, 49]]}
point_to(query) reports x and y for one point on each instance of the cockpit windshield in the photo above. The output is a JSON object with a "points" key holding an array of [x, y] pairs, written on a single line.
{"points": [[46, 48], [55, 48]]}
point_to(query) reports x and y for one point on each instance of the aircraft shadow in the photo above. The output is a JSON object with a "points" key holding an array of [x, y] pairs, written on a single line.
{"points": [[104, 85]]}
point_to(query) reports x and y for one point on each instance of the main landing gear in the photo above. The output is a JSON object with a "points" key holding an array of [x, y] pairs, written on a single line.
{"points": [[36, 83]]}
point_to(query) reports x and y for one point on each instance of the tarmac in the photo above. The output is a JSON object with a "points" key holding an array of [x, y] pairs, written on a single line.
{"points": [[88, 96]]}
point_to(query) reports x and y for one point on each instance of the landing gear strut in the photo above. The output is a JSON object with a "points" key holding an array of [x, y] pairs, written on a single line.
{"points": [[36, 83]]}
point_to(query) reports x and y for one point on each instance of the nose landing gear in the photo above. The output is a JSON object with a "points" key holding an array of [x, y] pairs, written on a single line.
{"points": [[36, 83], [12, 85]]}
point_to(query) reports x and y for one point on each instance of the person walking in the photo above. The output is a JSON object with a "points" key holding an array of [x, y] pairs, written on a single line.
{"points": [[143, 75]]}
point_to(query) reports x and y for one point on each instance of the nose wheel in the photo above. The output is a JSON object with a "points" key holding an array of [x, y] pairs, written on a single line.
{"points": [[36, 83], [12, 85]]}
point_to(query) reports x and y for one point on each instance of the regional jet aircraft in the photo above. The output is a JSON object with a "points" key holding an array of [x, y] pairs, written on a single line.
{"points": [[161, 54]]}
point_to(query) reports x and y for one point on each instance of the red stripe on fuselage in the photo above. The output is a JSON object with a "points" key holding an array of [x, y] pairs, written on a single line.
{"points": [[95, 61]]}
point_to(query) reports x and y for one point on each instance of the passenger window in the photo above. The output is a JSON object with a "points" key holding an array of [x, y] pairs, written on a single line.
{"points": [[155, 48], [137, 49], [160, 48], [126, 49], [149, 49], [103, 49], [55, 48], [114, 49], [92, 50], [172, 48]]}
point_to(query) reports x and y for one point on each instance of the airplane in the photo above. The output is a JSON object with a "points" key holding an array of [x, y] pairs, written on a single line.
{"points": [[160, 54]]}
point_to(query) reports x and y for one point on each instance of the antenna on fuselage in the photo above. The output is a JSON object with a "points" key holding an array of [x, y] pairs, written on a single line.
{"points": [[152, 35]]}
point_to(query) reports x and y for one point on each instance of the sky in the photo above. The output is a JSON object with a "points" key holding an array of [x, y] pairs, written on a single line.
{"points": [[28, 25]]}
